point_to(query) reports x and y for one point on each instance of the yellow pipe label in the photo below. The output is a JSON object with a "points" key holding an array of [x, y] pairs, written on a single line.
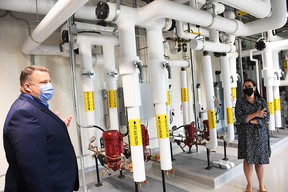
{"points": [[229, 112], [241, 13], [234, 92], [89, 101], [285, 65], [168, 98], [135, 132], [211, 119], [112, 99], [277, 104], [184, 94], [271, 107], [162, 126]]}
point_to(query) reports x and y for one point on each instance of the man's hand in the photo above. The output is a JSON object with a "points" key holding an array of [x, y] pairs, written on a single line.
{"points": [[66, 120]]}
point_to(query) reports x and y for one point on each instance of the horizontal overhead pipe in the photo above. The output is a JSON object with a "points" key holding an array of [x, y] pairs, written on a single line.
{"points": [[249, 6], [60, 12]]}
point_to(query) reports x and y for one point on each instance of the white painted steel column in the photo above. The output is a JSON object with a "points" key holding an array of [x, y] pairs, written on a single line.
{"points": [[268, 75], [226, 83], [208, 82], [159, 84]]}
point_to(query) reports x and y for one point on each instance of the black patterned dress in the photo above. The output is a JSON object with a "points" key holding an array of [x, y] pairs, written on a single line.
{"points": [[253, 140]]}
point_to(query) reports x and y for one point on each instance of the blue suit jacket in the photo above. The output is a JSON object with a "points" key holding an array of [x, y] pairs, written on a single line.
{"points": [[38, 149]]}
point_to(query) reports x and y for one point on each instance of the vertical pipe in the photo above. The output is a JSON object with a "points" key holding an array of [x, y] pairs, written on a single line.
{"points": [[208, 82], [184, 96], [234, 75], [87, 79], [159, 81], [111, 84], [268, 75], [75, 103], [132, 99], [276, 94], [226, 83]]}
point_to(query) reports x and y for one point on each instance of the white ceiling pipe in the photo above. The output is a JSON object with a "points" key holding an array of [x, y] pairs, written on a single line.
{"points": [[209, 89], [179, 63], [249, 6], [211, 46], [60, 12], [186, 34], [164, 9], [44, 6], [226, 83], [157, 73], [275, 21]]}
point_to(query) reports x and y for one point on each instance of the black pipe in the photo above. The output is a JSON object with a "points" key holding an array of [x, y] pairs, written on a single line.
{"points": [[171, 150], [208, 160], [163, 181], [225, 154], [98, 184], [136, 187]]}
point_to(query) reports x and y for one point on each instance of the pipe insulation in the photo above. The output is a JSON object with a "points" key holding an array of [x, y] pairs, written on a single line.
{"points": [[268, 75], [159, 84], [131, 90], [184, 96], [209, 89], [226, 83], [163, 9], [263, 6], [234, 76], [276, 92], [59, 13]]}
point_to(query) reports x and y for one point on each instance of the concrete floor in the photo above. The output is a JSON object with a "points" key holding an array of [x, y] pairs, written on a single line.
{"points": [[186, 181]]}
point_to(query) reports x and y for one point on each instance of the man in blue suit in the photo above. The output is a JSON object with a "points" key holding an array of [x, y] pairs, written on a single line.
{"points": [[37, 144]]}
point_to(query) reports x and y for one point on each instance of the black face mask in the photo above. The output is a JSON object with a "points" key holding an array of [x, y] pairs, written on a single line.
{"points": [[248, 91]]}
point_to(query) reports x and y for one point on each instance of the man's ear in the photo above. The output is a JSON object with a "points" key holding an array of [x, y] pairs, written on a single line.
{"points": [[27, 88]]}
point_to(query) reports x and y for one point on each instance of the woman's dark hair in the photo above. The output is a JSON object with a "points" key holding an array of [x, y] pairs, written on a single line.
{"points": [[257, 94]]}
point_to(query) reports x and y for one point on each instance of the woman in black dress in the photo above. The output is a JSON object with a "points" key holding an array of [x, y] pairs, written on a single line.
{"points": [[252, 117]]}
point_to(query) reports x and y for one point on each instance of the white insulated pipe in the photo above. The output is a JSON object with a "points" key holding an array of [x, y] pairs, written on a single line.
{"points": [[268, 75], [88, 87], [234, 76], [211, 46], [179, 63], [60, 12], [44, 6], [187, 35], [262, 10], [131, 89], [159, 84], [257, 70], [226, 83], [276, 94], [184, 96], [209, 89]]}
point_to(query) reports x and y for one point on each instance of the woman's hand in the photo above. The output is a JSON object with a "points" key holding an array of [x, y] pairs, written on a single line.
{"points": [[261, 113]]}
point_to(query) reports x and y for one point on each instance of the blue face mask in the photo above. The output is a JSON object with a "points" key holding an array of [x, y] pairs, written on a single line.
{"points": [[46, 92]]}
